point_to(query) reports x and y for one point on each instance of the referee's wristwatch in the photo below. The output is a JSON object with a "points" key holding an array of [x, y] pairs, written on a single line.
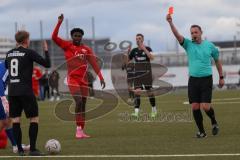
{"points": [[221, 77]]}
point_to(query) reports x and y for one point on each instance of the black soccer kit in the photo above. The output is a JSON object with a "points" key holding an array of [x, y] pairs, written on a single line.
{"points": [[142, 69], [19, 62]]}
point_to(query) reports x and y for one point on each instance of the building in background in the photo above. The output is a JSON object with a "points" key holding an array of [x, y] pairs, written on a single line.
{"points": [[6, 44], [229, 52], [175, 62]]}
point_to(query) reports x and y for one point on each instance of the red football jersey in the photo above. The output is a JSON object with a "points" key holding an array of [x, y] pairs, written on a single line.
{"points": [[37, 74], [77, 57]]}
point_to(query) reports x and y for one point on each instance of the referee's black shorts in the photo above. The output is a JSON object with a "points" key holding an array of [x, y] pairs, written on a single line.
{"points": [[28, 103], [200, 89]]}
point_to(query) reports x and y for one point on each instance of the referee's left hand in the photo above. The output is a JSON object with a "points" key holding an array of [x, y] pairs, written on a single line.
{"points": [[221, 83]]}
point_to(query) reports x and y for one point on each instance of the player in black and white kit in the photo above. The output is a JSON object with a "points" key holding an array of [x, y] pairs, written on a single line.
{"points": [[19, 61], [142, 55]]}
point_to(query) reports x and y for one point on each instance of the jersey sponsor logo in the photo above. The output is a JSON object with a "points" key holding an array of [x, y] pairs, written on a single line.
{"points": [[14, 80], [80, 55], [84, 51], [141, 58], [16, 54]]}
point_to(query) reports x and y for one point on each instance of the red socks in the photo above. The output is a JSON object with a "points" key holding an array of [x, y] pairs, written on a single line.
{"points": [[80, 120]]}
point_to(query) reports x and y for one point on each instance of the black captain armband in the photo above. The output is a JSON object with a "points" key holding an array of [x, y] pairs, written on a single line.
{"points": [[221, 77]]}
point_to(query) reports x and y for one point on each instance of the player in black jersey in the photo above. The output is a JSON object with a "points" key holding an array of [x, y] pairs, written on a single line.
{"points": [[19, 62], [142, 55]]}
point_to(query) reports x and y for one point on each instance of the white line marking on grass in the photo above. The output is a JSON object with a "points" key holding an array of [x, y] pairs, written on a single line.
{"points": [[213, 100], [130, 156], [225, 99], [216, 101], [187, 103], [225, 102]]}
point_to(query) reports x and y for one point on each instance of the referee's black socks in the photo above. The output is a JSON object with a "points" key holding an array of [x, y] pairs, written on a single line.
{"points": [[197, 114], [211, 115], [17, 133], [33, 132]]}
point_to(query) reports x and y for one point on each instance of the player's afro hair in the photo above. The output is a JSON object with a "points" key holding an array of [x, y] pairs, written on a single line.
{"points": [[74, 30]]}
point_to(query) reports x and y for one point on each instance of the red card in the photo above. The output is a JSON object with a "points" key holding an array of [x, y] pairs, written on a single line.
{"points": [[170, 10]]}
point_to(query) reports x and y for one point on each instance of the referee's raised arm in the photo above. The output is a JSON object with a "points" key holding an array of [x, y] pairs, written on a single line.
{"points": [[178, 36]]}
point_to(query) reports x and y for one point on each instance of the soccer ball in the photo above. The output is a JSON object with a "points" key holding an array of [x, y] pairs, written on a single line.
{"points": [[53, 146]]}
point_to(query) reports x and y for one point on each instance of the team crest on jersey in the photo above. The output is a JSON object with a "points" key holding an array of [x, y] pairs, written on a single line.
{"points": [[84, 51]]}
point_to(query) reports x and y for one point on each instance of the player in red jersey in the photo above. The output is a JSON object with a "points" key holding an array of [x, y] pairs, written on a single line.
{"points": [[37, 74], [77, 56]]}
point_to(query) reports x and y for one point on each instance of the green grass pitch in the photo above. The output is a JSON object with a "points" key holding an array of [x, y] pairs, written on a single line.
{"points": [[170, 134]]}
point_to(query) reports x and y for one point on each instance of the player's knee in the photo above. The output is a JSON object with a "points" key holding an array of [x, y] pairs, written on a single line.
{"points": [[195, 106], [34, 120], [16, 120], [205, 106]]}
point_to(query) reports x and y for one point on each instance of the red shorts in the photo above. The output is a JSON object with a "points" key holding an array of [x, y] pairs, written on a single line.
{"points": [[36, 90], [78, 86]]}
